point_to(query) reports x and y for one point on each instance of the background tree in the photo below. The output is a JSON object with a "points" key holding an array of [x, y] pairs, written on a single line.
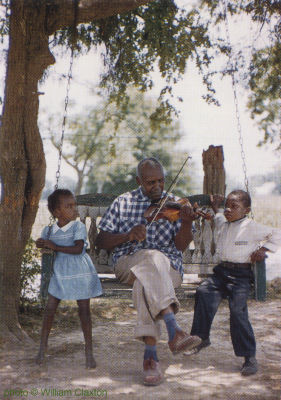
{"points": [[85, 145], [135, 39], [105, 157]]}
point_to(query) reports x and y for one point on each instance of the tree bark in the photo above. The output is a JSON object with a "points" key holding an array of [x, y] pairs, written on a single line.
{"points": [[22, 165], [22, 162]]}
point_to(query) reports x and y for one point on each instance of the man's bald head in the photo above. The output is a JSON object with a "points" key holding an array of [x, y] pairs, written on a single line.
{"points": [[150, 162]]}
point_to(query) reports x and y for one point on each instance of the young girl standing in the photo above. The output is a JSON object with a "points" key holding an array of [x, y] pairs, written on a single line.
{"points": [[74, 276]]}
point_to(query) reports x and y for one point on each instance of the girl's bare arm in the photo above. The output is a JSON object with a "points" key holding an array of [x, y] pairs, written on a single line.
{"points": [[48, 244]]}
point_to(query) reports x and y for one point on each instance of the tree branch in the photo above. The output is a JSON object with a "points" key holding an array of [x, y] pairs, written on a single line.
{"points": [[61, 12]]}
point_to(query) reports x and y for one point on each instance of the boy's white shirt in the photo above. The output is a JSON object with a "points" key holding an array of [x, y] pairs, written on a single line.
{"points": [[237, 240]]}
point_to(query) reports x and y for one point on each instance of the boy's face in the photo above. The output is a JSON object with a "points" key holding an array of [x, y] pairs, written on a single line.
{"points": [[235, 208]]}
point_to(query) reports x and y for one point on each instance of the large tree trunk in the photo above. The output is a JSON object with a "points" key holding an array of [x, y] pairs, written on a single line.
{"points": [[22, 165], [22, 162]]}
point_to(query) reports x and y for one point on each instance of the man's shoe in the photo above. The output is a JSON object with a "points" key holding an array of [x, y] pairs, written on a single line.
{"points": [[250, 366], [183, 341], [152, 375], [195, 350]]}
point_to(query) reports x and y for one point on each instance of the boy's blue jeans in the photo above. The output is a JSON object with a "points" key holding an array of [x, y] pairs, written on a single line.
{"points": [[233, 284]]}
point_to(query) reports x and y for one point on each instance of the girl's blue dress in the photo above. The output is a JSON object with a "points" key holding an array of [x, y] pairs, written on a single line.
{"points": [[75, 276]]}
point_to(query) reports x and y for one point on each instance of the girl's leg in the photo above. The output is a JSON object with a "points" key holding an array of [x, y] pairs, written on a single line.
{"points": [[48, 319], [86, 325]]}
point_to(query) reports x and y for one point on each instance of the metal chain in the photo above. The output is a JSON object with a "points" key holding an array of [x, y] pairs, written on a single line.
{"points": [[69, 77], [239, 127], [66, 101]]}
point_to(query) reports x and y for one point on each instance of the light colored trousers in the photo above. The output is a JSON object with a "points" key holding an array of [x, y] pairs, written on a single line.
{"points": [[153, 288]]}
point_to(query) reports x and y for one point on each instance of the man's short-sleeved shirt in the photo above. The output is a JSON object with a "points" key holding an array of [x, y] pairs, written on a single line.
{"points": [[125, 212]]}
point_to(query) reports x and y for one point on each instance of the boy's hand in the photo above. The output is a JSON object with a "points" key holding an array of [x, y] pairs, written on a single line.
{"points": [[259, 255], [216, 200]]}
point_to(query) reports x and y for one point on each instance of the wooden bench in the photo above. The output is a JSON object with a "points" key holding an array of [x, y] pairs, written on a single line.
{"points": [[198, 260]]}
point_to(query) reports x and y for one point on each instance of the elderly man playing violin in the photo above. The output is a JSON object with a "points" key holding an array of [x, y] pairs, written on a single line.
{"points": [[149, 257]]}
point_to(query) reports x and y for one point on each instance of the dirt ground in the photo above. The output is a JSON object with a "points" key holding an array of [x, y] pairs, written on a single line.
{"points": [[211, 374]]}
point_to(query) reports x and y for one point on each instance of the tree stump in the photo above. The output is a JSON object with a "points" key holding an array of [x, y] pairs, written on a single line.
{"points": [[213, 183], [214, 173]]}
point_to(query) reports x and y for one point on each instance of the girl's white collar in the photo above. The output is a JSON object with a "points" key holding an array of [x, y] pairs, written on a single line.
{"points": [[63, 228]]}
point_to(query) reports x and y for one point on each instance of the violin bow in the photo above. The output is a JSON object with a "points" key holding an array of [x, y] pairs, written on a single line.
{"points": [[168, 191]]}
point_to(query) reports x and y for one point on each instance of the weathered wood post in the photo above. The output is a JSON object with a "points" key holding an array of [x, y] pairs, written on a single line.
{"points": [[214, 173], [214, 183]]}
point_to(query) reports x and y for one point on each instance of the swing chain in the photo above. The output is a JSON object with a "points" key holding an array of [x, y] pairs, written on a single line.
{"points": [[66, 101], [239, 127], [69, 77]]}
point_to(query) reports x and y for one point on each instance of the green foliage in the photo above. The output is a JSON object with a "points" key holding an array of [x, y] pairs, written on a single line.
{"points": [[30, 269], [262, 73], [264, 100], [259, 10], [158, 35], [4, 19], [161, 35]]}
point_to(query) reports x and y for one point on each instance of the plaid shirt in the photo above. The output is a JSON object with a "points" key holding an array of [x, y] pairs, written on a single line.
{"points": [[127, 211]]}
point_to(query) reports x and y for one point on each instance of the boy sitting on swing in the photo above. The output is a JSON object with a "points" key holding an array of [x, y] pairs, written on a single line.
{"points": [[239, 245]]}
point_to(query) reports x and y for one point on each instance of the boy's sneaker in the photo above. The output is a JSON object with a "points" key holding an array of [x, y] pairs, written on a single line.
{"points": [[195, 350], [250, 366]]}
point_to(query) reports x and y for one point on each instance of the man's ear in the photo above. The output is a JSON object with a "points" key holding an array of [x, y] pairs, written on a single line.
{"points": [[248, 209], [138, 180]]}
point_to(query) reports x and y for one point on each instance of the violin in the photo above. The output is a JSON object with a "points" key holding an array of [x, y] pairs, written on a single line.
{"points": [[171, 210]]}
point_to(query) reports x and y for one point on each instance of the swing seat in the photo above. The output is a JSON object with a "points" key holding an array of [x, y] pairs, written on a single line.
{"points": [[198, 261]]}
